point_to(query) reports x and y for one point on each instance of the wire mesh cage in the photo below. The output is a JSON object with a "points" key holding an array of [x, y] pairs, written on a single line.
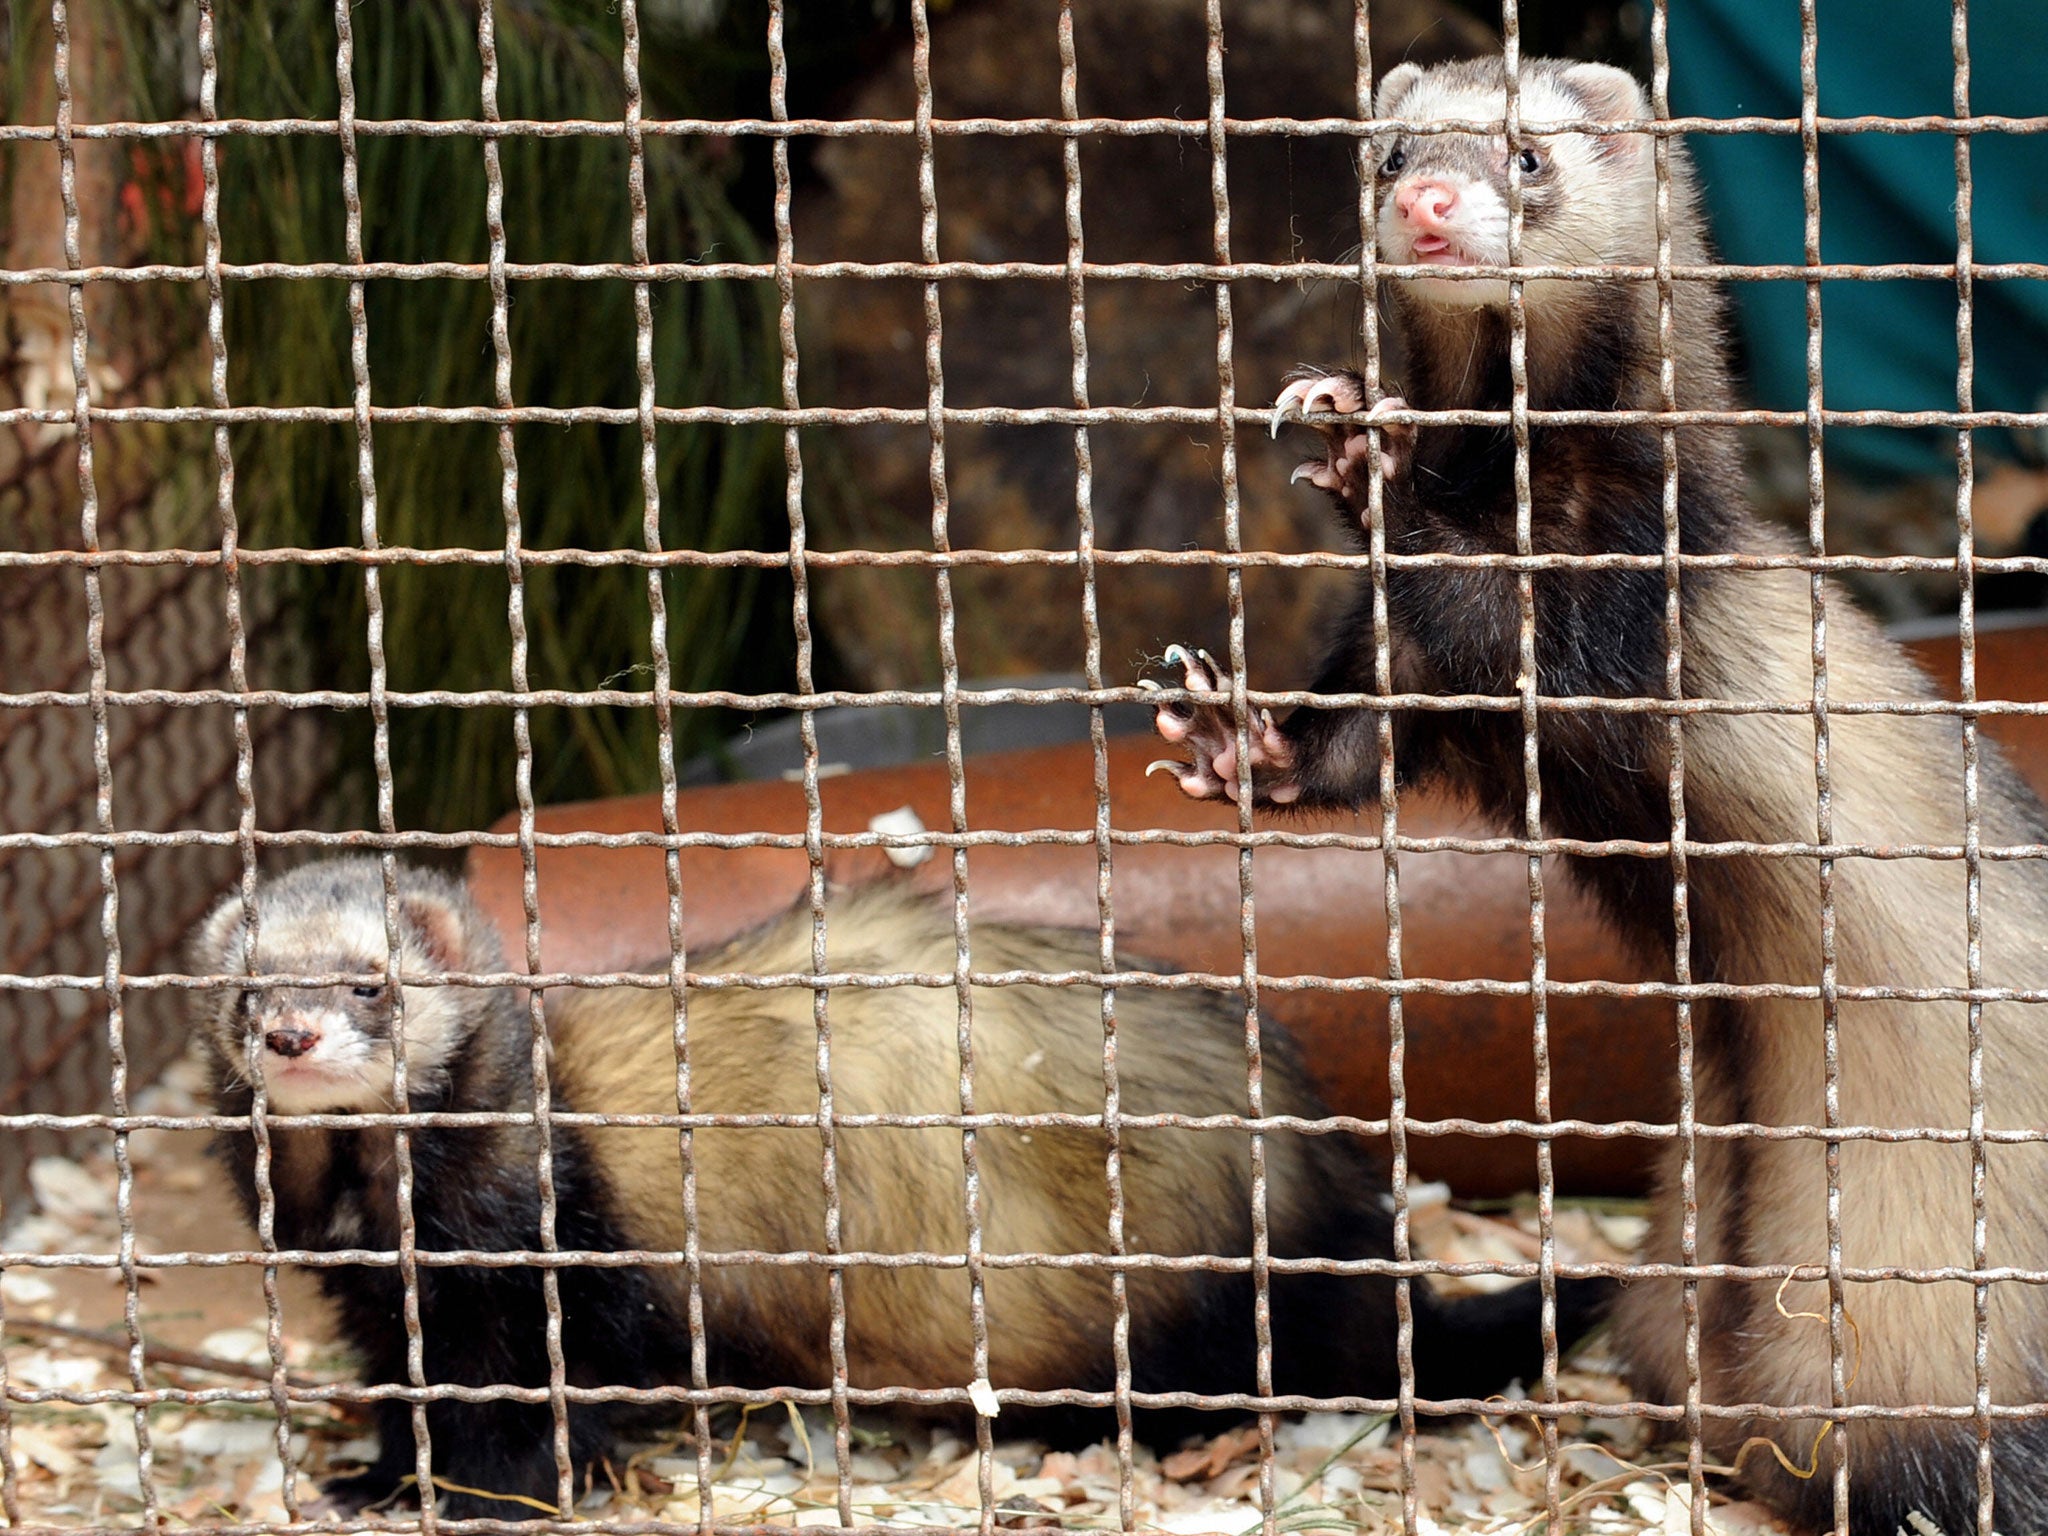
{"points": [[186, 745]]}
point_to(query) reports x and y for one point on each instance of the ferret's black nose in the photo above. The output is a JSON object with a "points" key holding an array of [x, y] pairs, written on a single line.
{"points": [[291, 1042]]}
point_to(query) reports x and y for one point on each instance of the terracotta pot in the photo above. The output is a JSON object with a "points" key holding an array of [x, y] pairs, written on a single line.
{"points": [[1319, 912]]}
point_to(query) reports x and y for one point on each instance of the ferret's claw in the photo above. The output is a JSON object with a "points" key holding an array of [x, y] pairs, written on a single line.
{"points": [[1189, 778], [1292, 395], [1345, 468], [1148, 685], [1197, 670], [1209, 732]]}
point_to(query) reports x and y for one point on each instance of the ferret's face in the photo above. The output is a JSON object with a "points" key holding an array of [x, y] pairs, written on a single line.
{"points": [[325, 1049], [1587, 199]]}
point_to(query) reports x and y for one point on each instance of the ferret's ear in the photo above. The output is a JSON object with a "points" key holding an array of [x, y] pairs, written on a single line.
{"points": [[438, 925], [439, 915], [1611, 95], [1393, 86], [216, 944]]}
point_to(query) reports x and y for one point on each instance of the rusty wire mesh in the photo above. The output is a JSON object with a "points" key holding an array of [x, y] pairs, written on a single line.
{"points": [[130, 976]]}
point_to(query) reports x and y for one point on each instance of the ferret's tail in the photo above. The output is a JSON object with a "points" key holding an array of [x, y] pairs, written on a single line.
{"points": [[1472, 1346]]}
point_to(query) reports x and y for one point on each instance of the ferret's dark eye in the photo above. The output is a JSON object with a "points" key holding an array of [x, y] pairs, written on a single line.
{"points": [[1531, 162], [369, 994], [1391, 166]]}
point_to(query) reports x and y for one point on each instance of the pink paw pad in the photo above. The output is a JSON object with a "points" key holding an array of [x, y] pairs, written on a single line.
{"points": [[1209, 731]]}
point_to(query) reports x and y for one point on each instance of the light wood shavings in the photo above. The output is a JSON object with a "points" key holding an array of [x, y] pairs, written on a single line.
{"points": [[1333, 1473]]}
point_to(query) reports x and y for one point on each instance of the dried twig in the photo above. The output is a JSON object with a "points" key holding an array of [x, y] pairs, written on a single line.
{"points": [[156, 1353]]}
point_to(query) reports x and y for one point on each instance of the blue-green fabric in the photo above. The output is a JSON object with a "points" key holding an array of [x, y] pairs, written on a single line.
{"points": [[1883, 198]]}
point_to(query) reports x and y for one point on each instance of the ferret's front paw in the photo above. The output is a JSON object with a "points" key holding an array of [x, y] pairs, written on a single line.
{"points": [[1342, 471], [1209, 731]]}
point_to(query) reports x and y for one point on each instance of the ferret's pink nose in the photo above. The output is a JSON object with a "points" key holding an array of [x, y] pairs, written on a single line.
{"points": [[1426, 204], [291, 1042]]}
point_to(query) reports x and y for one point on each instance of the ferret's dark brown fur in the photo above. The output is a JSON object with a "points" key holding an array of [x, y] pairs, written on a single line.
{"points": [[1747, 635], [902, 1190]]}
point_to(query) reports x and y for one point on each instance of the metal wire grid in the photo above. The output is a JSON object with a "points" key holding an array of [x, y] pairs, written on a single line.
{"points": [[180, 764], [164, 623], [114, 983]]}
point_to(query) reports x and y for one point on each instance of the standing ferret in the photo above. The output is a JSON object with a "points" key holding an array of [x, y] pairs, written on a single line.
{"points": [[753, 1051], [1747, 634]]}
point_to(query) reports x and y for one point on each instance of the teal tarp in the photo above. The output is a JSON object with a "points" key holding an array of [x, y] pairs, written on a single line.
{"points": [[1883, 198]]}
